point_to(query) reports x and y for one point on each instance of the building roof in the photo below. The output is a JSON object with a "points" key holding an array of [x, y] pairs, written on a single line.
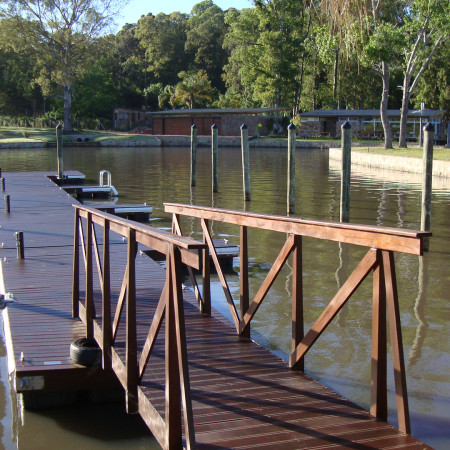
{"points": [[216, 111], [370, 113]]}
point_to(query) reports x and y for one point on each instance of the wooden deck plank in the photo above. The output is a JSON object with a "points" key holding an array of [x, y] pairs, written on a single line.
{"points": [[243, 396]]}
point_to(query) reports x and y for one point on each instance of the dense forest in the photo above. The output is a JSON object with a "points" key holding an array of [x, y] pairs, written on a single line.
{"points": [[57, 58]]}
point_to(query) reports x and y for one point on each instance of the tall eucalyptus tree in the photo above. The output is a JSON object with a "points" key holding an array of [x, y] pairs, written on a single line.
{"points": [[60, 34]]}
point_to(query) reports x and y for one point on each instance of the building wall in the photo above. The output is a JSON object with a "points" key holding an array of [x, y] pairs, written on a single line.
{"points": [[228, 125]]}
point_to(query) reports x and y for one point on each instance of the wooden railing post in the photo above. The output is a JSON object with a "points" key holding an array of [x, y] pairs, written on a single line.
{"points": [[245, 300], [297, 298], [206, 287], [173, 388], [131, 343], [395, 332], [378, 382], [89, 281], [106, 300], [76, 267]]}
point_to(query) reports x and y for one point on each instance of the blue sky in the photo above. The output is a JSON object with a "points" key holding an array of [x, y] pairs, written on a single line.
{"points": [[136, 8]]}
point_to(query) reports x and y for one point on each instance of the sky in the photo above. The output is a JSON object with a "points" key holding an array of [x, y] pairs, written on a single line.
{"points": [[137, 8]]}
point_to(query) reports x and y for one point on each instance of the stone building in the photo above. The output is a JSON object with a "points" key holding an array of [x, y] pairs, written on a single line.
{"points": [[179, 121], [367, 122]]}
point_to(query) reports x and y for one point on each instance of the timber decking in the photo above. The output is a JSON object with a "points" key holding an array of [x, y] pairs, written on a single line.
{"points": [[242, 395]]}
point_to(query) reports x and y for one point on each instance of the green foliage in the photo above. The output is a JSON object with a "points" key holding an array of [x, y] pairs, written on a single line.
{"points": [[205, 34], [194, 90], [163, 39]]}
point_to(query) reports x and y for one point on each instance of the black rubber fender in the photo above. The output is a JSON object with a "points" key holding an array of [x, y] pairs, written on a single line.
{"points": [[86, 352]]}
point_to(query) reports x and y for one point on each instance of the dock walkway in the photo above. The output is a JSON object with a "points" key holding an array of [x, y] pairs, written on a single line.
{"points": [[242, 395]]}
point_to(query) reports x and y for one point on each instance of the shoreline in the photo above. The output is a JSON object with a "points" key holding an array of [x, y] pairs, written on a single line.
{"points": [[406, 164]]}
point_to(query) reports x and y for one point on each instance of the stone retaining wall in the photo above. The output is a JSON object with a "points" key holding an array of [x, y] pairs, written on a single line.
{"points": [[401, 163], [235, 141]]}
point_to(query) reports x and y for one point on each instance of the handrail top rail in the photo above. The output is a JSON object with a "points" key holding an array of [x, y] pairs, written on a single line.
{"points": [[183, 242], [383, 238]]}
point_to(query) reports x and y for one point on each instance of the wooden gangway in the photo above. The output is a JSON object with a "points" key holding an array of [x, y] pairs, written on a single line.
{"points": [[196, 379]]}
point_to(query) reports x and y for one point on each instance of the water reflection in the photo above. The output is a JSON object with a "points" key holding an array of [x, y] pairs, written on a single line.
{"points": [[341, 357]]}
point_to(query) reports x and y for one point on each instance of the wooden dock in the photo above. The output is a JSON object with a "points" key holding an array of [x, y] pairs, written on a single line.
{"points": [[235, 394]]}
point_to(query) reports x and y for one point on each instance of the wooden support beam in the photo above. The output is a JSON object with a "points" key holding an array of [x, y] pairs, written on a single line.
{"points": [[153, 331], [120, 303], [97, 256], [181, 348], [244, 287], [106, 301], [131, 342], [206, 269], [76, 267], [267, 283], [89, 281], [297, 298], [223, 280], [378, 382], [173, 387], [339, 300], [398, 361], [383, 238]]}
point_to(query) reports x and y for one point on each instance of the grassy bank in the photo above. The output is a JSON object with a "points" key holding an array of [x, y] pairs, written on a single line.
{"points": [[25, 135], [412, 152]]}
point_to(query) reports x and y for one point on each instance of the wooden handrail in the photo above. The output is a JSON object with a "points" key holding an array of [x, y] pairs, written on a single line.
{"points": [[177, 249], [379, 260], [383, 238]]}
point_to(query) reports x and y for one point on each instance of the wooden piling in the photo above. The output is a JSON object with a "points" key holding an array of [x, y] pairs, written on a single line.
{"points": [[215, 159], [2, 182], [245, 162], [427, 177], [291, 168], [59, 151], [193, 155], [7, 203], [19, 245], [346, 147]]}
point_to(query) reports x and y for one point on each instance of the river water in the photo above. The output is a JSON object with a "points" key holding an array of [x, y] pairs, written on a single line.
{"points": [[341, 357]]}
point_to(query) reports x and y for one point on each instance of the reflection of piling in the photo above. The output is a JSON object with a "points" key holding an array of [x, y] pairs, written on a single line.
{"points": [[245, 161], [193, 155], [425, 219], [215, 159], [419, 312], [291, 168], [59, 150], [346, 147], [7, 204], [19, 245]]}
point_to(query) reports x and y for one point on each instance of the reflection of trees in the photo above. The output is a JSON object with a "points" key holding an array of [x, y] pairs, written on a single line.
{"points": [[382, 205], [419, 311]]}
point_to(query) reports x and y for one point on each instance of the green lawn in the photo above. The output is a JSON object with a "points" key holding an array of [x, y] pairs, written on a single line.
{"points": [[21, 134], [414, 151]]}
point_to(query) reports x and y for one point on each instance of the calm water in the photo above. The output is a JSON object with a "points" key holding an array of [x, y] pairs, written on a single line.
{"points": [[341, 357]]}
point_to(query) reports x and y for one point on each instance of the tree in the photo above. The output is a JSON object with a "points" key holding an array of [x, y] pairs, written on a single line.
{"points": [[19, 94], [205, 34], [194, 88], [426, 27], [163, 38], [60, 34], [370, 31], [267, 46]]}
